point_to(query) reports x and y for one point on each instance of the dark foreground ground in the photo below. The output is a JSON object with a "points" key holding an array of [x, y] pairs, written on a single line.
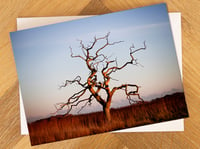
{"points": [[56, 128]]}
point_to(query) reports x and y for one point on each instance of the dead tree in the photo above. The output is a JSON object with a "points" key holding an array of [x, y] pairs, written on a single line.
{"points": [[93, 85]]}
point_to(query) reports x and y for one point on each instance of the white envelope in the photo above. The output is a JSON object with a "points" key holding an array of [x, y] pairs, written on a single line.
{"points": [[175, 19]]}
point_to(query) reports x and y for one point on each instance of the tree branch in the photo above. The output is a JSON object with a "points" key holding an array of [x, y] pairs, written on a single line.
{"points": [[115, 68], [129, 93], [76, 104], [76, 80], [75, 56], [88, 102], [105, 45], [71, 101]]}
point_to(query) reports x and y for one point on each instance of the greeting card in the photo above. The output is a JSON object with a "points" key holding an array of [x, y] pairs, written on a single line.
{"points": [[99, 74]]}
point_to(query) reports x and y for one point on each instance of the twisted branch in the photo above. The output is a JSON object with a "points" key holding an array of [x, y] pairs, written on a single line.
{"points": [[115, 68], [76, 80]]}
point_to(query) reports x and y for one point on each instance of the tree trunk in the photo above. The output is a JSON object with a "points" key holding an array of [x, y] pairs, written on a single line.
{"points": [[106, 111]]}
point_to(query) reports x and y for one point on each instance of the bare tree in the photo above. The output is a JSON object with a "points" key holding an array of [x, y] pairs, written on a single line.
{"points": [[101, 64]]}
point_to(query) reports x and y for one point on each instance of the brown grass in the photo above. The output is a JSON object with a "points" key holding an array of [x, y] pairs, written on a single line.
{"points": [[59, 127]]}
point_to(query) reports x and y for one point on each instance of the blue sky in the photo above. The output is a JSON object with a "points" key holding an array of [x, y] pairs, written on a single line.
{"points": [[43, 61]]}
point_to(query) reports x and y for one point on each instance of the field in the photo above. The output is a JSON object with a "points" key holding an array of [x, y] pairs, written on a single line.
{"points": [[59, 127]]}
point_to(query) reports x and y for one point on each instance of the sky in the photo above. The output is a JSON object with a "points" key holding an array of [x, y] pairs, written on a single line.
{"points": [[43, 60]]}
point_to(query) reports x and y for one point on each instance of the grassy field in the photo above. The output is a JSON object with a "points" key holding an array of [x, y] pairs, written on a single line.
{"points": [[59, 127]]}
